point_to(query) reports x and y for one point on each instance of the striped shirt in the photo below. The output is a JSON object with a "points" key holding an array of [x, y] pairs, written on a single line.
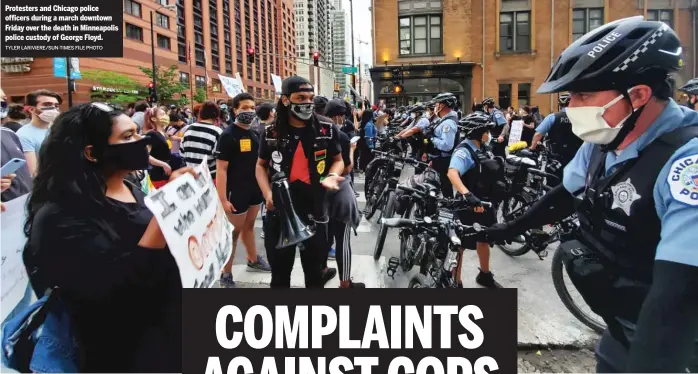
{"points": [[199, 141]]}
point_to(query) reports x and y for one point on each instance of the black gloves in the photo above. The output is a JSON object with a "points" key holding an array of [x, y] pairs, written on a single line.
{"points": [[472, 200]]}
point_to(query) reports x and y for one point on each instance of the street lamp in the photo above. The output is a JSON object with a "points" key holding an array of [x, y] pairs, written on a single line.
{"points": [[171, 7]]}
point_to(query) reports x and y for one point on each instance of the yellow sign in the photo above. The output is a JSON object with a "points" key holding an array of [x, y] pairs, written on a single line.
{"points": [[245, 145], [321, 167]]}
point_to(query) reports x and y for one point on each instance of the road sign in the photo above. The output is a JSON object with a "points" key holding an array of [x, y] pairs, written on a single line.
{"points": [[349, 69], [60, 70]]}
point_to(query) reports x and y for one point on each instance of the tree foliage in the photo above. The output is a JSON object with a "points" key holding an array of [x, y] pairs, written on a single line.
{"points": [[117, 81], [167, 83], [200, 95]]}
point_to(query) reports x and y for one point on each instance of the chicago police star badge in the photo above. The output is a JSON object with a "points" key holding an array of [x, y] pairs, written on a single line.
{"points": [[624, 195]]}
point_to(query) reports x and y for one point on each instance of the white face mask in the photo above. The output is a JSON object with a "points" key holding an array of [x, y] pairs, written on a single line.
{"points": [[49, 116], [588, 123]]}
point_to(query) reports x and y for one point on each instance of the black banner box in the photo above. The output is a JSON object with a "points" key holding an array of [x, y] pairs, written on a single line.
{"points": [[495, 335], [63, 28]]}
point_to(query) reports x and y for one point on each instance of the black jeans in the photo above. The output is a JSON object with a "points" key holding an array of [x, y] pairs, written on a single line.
{"points": [[440, 164], [281, 260]]}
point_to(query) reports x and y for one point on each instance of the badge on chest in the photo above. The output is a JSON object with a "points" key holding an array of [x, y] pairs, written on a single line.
{"points": [[624, 195]]}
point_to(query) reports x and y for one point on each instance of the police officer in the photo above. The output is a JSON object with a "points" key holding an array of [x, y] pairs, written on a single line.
{"points": [[496, 116], [634, 188], [416, 141], [474, 174], [306, 149], [442, 136], [558, 127]]}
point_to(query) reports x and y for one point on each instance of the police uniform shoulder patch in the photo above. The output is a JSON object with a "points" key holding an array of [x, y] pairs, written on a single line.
{"points": [[461, 153], [683, 180]]}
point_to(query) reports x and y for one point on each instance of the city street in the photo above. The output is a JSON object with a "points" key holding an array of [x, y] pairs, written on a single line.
{"points": [[543, 319]]}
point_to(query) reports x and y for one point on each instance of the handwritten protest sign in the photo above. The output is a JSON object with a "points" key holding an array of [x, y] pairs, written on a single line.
{"points": [[232, 86], [515, 131], [13, 275], [195, 226]]}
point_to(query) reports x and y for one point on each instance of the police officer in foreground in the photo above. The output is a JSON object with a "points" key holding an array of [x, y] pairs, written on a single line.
{"points": [[496, 116], [634, 187], [563, 142], [307, 150], [442, 137], [474, 174]]}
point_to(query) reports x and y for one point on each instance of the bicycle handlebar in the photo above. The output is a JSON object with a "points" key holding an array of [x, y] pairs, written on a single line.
{"points": [[485, 204], [406, 160], [541, 173]]}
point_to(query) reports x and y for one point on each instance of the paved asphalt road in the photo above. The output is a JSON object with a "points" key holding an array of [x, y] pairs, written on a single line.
{"points": [[543, 319]]}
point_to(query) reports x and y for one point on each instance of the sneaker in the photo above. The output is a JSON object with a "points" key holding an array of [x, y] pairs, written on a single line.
{"points": [[487, 280], [332, 255], [227, 280], [260, 266], [353, 284], [328, 274]]}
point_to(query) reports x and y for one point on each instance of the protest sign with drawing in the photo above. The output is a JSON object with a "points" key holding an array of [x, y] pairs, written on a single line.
{"points": [[195, 226], [515, 131]]}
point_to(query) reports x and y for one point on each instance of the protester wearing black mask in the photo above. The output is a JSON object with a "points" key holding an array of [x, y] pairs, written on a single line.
{"points": [[236, 155], [306, 149], [90, 234]]}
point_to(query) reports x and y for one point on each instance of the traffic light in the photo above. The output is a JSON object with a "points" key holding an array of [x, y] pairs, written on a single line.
{"points": [[151, 92], [397, 88], [316, 58], [250, 55]]}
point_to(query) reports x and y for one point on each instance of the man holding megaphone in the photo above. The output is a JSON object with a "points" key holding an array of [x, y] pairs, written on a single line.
{"points": [[299, 159]]}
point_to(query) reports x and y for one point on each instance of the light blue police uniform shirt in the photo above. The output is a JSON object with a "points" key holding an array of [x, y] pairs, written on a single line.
{"points": [[445, 134], [498, 118], [462, 160], [547, 123], [422, 124], [675, 191]]}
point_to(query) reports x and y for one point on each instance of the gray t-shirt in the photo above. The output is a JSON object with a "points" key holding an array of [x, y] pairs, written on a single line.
{"points": [[12, 148]]}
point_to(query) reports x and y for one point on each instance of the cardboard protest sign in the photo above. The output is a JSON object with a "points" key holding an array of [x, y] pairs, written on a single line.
{"points": [[195, 226], [14, 280], [515, 131]]}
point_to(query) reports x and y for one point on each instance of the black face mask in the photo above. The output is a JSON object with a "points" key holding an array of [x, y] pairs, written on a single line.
{"points": [[127, 156]]}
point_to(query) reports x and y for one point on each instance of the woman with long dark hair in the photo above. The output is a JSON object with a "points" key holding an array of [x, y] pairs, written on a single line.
{"points": [[91, 236]]}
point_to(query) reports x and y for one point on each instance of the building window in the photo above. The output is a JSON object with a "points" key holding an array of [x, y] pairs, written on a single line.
{"points": [[524, 94], [199, 57], [200, 81], [420, 35], [515, 31], [182, 52], [163, 42], [585, 20], [162, 20], [216, 85], [134, 32], [504, 95], [132, 8], [664, 15], [162, 2], [184, 78]]}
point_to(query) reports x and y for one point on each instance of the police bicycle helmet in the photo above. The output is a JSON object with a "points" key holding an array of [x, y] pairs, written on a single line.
{"points": [[691, 87], [563, 100], [488, 102], [430, 104], [447, 99], [617, 56], [475, 125], [417, 108]]}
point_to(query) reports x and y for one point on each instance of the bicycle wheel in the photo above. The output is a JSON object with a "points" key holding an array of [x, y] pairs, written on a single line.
{"points": [[579, 309], [373, 194], [383, 231], [504, 211]]}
